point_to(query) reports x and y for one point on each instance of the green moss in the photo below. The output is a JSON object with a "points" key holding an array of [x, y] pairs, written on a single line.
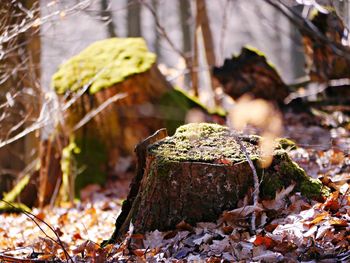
{"points": [[313, 188], [284, 172], [8, 204], [103, 64], [83, 162], [203, 142], [91, 161], [286, 144]]}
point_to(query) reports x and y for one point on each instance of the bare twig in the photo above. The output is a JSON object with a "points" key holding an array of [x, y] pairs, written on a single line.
{"points": [[162, 30], [255, 178], [96, 111], [34, 218]]}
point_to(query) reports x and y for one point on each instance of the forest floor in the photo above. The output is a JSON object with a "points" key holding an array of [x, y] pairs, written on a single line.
{"points": [[290, 228]]}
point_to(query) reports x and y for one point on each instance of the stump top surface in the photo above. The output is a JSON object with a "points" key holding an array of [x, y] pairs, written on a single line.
{"points": [[103, 64], [204, 142]]}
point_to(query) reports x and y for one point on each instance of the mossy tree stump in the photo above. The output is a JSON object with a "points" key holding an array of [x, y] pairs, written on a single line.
{"points": [[198, 173], [110, 67], [106, 69]]}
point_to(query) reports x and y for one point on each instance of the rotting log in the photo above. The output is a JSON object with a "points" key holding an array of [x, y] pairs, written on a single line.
{"points": [[198, 173], [250, 72]]}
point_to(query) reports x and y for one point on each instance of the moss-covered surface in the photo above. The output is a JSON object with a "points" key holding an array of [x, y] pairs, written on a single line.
{"points": [[203, 142], [92, 162], [85, 161], [215, 144], [103, 64], [286, 144]]}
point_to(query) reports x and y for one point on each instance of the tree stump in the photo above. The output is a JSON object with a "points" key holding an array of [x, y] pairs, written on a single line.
{"points": [[198, 173]]}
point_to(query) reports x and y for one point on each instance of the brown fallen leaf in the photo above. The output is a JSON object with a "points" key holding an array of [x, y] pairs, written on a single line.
{"points": [[241, 212], [41, 216], [63, 219], [270, 227], [337, 157], [46, 257], [76, 236]]}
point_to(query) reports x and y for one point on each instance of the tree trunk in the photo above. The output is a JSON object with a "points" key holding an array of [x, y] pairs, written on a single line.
{"points": [[157, 39], [107, 15], [134, 19], [185, 16], [197, 174]]}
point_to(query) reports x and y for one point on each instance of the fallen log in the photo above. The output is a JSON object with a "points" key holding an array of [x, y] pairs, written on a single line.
{"points": [[250, 72], [201, 171]]}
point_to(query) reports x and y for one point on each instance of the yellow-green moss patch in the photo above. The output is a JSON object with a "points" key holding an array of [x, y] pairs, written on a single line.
{"points": [[103, 64], [203, 142]]}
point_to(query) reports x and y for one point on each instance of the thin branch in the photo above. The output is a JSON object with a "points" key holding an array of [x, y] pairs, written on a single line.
{"points": [[96, 111], [162, 30], [34, 218], [255, 178]]}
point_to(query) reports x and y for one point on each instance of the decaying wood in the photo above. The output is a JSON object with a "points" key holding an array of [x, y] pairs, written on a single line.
{"points": [[251, 73], [50, 173], [141, 152], [201, 171]]}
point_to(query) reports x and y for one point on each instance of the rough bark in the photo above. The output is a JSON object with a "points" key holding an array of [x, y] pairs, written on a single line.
{"points": [[50, 173], [141, 153], [250, 72], [198, 173]]}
